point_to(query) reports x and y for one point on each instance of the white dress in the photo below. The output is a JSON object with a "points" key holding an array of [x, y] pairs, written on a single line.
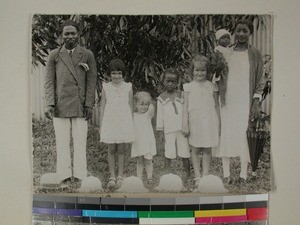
{"points": [[202, 114], [235, 114], [117, 122], [144, 144]]}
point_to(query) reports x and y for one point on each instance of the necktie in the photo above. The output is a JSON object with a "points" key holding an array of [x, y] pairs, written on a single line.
{"points": [[70, 54]]}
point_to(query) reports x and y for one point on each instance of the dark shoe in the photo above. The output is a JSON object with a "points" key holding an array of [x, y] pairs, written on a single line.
{"points": [[241, 182], [66, 181], [111, 183], [150, 184], [228, 180]]}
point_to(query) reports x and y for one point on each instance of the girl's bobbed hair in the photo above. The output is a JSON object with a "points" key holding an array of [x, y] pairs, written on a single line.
{"points": [[247, 22], [116, 65], [203, 60], [141, 96]]}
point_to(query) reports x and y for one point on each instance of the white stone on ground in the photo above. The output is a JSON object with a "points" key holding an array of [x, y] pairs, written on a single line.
{"points": [[90, 184], [170, 183], [211, 184], [132, 185]]}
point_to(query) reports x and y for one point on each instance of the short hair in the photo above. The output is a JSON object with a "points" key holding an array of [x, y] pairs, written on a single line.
{"points": [[171, 71], [247, 22], [141, 95], [198, 58], [69, 23], [116, 65]]}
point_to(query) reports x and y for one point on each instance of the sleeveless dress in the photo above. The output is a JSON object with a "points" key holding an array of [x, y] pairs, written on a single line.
{"points": [[235, 114], [144, 144], [202, 114], [117, 122]]}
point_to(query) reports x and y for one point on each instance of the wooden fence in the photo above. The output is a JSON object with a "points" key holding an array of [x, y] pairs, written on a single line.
{"points": [[261, 39]]}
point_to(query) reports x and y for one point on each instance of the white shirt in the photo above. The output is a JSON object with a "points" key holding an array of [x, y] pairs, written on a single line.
{"points": [[169, 114]]}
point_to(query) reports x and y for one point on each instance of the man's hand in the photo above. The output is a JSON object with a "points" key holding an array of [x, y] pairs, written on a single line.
{"points": [[88, 113], [255, 109], [49, 112]]}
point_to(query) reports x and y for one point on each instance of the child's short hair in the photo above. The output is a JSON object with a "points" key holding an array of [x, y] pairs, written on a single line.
{"points": [[116, 65], [141, 96], [171, 71], [198, 58], [246, 22]]}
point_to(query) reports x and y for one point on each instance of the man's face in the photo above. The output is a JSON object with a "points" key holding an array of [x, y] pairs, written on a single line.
{"points": [[70, 36]]}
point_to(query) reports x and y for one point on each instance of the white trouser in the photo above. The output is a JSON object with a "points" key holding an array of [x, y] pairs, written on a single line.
{"points": [[62, 128]]}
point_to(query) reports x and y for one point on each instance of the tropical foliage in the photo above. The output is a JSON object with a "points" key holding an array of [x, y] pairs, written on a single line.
{"points": [[147, 44]]}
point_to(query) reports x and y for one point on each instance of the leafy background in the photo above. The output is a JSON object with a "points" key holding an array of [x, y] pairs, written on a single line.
{"points": [[147, 44]]}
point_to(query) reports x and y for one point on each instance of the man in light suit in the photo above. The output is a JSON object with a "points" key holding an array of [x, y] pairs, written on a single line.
{"points": [[70, 84]]}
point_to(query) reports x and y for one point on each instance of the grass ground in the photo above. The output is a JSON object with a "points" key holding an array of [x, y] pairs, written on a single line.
{"points": [[44, 161]]}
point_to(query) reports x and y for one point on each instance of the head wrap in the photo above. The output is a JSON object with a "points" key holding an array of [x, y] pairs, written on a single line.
{"points": [[221, 32]]}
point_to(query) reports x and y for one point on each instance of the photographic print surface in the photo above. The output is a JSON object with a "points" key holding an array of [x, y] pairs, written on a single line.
{"points": [[151, 104]]}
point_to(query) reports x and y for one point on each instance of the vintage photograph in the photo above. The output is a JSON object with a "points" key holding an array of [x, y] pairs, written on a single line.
{"points": [[151, 103]]}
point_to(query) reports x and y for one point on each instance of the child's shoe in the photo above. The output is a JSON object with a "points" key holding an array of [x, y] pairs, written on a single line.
{"points": [[111, 183], [119, 181]]}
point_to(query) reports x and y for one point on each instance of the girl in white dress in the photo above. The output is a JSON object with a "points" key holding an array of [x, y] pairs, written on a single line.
{"points": [[144, 146], [201, 115], [116, 122]]}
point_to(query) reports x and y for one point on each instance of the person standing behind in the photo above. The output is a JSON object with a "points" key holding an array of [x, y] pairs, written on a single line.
{"points": [[70, 84], [169, 120]]}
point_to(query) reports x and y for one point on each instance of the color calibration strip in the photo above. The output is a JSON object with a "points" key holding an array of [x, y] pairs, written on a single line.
{"points": [[190, 210]]}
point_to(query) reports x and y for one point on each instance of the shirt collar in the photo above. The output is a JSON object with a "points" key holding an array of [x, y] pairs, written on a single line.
{"points": [[164, 99]]}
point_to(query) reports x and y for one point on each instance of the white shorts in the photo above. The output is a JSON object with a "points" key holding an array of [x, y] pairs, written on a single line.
{"points": [[176, 145]]}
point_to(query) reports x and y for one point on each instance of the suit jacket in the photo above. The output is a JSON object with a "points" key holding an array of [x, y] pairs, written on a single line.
{"points": [[69, 87]]}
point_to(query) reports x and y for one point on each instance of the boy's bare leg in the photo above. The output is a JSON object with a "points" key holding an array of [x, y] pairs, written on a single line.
{"points": [[167, 165], [186, 167]]}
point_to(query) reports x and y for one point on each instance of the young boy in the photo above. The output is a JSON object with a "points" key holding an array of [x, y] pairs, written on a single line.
{"points": [[169, 121]]}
